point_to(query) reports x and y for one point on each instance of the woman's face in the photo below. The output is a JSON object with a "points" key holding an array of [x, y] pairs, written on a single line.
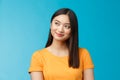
{"points": [[60, 27]]}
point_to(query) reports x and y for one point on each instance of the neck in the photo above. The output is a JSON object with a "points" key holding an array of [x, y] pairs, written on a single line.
{"points": [[58, 45], [58, 48]]}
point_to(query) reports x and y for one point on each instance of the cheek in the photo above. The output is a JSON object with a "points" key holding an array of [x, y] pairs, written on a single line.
{"points": [[68, 32], [53, 29]]}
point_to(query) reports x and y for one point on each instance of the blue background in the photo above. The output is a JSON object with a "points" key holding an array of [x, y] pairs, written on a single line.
{"points": [[24, 26]]}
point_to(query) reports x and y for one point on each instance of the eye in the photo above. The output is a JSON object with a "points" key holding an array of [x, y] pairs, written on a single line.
{"points": [[57, 23], [67, 26]]}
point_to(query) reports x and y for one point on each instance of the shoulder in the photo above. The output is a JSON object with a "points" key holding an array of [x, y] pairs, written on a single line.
{"points": [[83, 51], [39, 53]]}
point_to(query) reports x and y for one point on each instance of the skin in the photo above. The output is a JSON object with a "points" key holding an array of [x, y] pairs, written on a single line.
{"points": [[60, 30]]}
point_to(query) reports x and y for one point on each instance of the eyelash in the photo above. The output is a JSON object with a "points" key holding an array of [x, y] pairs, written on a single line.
{"points": [[57, 23], [66, 26]]}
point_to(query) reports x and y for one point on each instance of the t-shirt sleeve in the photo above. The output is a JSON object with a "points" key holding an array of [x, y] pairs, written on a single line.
{"points": [[87, 61], [36, 62]]}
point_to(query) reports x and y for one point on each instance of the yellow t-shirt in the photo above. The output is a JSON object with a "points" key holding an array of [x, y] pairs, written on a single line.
{"points": [[56, 68]]}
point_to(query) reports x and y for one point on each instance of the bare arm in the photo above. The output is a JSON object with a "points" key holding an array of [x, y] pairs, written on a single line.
{"points": [[88, 74], [36, 76]]}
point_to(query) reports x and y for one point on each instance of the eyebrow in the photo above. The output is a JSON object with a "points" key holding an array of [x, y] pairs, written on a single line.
{"points": [[60, 22]]}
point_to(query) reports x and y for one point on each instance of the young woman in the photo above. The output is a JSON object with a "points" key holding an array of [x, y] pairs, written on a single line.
{"points": [[62, 59]]}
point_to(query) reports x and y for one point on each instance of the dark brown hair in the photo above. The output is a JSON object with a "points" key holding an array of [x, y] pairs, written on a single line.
{"points": [[72, 42]]}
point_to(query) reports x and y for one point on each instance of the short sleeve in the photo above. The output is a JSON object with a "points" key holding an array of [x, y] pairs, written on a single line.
{"points": [[87, 61], [36, 62]]}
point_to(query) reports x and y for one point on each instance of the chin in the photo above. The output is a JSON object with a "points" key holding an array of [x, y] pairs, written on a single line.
{"points": [[60, 39]]}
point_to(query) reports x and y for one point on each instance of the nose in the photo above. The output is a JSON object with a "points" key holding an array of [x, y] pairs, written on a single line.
{"points": [[60, 29]]}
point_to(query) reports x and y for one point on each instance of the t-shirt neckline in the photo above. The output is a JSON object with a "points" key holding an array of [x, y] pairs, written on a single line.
{"points": [[55, 55]]}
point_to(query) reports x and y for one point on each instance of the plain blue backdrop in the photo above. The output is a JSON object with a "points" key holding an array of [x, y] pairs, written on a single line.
{"points": [[24, 26]]}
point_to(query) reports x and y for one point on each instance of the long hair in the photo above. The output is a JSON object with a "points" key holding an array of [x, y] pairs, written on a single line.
{"points": [[72, 42]]}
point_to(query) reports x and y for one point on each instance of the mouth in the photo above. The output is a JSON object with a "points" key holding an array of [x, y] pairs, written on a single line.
{"points": [[59, 35]]}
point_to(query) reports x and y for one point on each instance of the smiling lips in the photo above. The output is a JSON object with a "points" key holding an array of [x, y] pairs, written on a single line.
{"points": [[59, 35]]}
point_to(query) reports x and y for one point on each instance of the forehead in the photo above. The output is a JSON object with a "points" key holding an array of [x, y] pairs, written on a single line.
{"points": [[62, 18]]}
